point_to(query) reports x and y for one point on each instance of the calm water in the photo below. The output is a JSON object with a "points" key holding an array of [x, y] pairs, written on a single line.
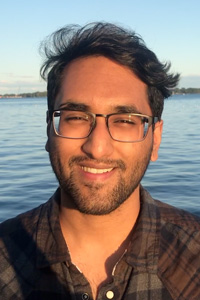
{"points": [[26, 179]]}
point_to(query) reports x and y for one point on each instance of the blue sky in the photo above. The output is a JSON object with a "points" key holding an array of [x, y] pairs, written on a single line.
{"points": [[171, 28]]}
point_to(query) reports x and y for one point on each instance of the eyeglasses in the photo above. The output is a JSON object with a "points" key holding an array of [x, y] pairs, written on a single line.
{"points": [[122, 127]]}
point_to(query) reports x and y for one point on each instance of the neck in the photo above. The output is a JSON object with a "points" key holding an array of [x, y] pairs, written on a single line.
{"points": [[96, 243], [111, 229]]}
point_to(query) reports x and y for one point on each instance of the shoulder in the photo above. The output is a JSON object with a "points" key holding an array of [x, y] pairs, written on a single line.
{"points": [[23, 232], [18, 235], [179, 235], [179, 217], [17, 250], [25, 221], [25, 228], [29, 220], [179, 251], [177, 246], [167, 214], [25, 244]]}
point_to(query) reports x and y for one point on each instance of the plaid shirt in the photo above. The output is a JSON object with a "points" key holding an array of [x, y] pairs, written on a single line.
{"points": [[162, 262]]}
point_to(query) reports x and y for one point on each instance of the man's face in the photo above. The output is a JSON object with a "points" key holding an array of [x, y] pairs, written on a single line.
{"points": [[97, 174]]}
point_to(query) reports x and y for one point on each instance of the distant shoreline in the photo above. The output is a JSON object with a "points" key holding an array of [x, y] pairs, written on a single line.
{"points": [[177, 91], [24, 95]]}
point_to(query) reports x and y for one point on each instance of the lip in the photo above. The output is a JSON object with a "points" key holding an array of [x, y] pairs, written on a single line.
{"points": [[96, 170], [96, 165], [96, 173]]}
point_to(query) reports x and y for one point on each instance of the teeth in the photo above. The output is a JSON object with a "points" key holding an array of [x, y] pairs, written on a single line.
{"points": [[96, 171]]}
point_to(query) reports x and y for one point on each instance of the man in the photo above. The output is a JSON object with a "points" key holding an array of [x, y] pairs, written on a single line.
{"points": [[101, 235]]}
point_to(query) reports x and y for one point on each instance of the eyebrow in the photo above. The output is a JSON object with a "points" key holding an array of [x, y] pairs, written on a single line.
{"points": [[71, 105], [127, 109], [74, 106]]}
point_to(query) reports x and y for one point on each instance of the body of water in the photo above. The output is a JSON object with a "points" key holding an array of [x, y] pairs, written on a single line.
{"points": [[26, 178]]}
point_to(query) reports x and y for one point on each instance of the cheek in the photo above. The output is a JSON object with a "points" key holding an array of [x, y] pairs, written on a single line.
{"points": [[135, 152], [65, 148], [128, 151]]}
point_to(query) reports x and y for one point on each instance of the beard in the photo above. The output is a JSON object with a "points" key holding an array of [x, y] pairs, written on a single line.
{"points": [[97, 198]]}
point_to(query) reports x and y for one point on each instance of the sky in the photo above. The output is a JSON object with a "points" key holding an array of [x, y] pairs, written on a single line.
{"points": [[170, 28]]}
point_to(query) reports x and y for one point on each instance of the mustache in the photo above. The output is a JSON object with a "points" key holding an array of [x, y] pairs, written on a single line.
{"points": [[118, 163]]}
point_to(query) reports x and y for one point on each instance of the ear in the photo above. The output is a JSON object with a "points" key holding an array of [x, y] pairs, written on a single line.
{"points": [[157, 136], [47, 145], [48, 132]]}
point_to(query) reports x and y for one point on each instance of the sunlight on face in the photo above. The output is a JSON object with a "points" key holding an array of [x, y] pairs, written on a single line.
{"points": [[97, 173]]}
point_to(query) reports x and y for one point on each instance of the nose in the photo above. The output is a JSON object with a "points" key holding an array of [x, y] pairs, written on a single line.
{"points": [[99, 144]]}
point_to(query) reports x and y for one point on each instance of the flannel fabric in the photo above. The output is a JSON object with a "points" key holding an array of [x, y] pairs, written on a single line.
{"points": [[161, 263]]}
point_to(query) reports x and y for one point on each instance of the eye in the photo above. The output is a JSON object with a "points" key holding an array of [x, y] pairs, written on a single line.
{"points": [[124, 120], [74, 117]]}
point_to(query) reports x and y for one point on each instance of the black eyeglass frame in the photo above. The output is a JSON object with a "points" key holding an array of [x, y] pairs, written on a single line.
{"points": [[148, 119]]}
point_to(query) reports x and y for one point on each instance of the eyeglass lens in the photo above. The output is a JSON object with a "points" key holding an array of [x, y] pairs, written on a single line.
{"points": [[125, 127]]}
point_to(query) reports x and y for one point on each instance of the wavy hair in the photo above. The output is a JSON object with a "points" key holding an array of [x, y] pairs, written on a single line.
{"points": [[114, 42]]}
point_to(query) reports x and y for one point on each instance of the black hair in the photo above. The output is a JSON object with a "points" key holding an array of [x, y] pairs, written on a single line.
{"points": [[114, 42]]}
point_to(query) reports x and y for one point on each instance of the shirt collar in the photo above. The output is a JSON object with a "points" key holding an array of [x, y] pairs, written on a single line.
{"points": [[51, 244], [156, 227], [143, 250]]}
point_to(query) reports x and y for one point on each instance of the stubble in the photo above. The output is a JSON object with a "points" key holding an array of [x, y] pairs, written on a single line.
{"points": [[98, 198]]}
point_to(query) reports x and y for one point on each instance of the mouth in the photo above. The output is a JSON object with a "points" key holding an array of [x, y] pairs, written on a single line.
{"points": [[96, 171]]}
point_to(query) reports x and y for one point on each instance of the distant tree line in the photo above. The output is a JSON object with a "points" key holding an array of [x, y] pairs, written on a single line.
{"points": [[44, 94], [27, 95], [34, 95], [186, 91]]}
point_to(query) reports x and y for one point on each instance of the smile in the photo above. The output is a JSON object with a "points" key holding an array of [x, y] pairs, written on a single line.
{"points": [[96, 171]]}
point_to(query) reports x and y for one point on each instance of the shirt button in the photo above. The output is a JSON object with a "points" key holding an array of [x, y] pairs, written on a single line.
{"points": [[85, 296], [110, 294]]}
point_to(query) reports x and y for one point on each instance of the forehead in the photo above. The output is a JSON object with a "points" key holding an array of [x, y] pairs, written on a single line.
{"points": [[102, 84]]}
